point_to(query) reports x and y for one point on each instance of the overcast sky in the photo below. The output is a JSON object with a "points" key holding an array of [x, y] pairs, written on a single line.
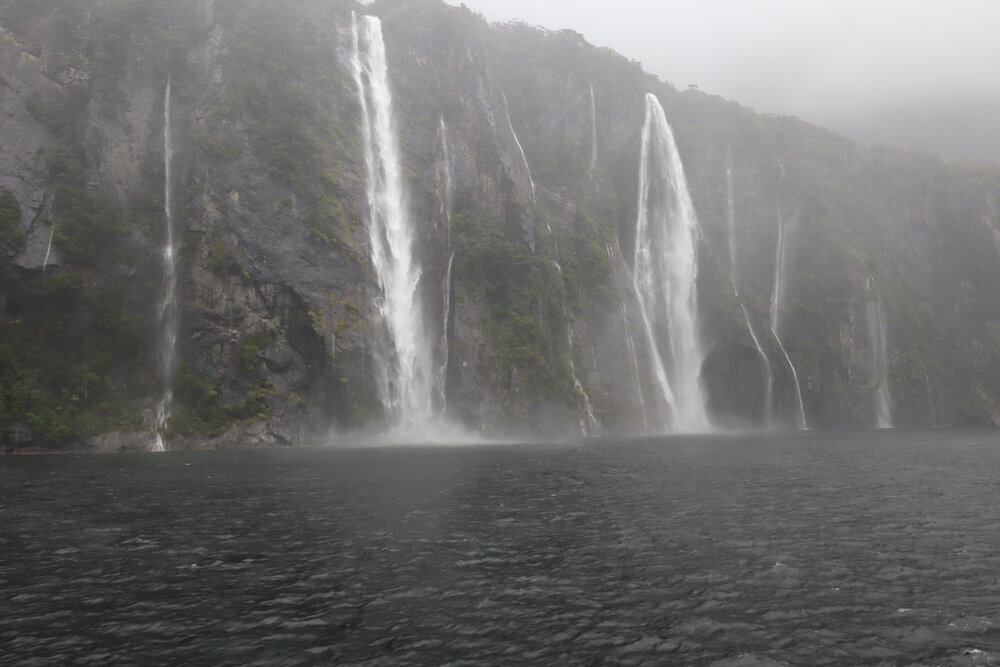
{"points": [[812, 58]]}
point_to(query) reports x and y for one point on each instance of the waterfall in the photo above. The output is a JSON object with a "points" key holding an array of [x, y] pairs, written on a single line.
{"points": [[517, 142], [878, 356], [636, 381], [48, 248], [777, 296], [589, 424], [169, 312], [731, 220], [593, 132], [446, 156], [442, 375], [404, 375], [665, 272]]}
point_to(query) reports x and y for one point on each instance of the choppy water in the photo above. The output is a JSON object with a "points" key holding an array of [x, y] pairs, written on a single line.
{"points": [[876, 548]]}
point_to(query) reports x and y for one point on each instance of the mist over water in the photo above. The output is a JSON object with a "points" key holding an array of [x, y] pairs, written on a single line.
{"points": [[791, 548]]}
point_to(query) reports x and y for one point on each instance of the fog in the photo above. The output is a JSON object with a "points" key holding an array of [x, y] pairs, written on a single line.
{"points": [[882, 70]]}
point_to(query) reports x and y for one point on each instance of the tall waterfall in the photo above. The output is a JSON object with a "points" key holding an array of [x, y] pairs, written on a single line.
{"points": [[777, 297], [593, 132], [878, 356], [441, 380], [169, 311], [731, 220], [403, 363], [665, 271], [517, 142]]}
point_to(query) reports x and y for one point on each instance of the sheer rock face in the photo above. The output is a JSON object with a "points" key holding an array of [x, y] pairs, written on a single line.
{"points": [[277, 292]]}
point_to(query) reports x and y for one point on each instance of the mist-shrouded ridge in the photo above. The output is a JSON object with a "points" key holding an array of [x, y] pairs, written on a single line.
{"points": [[878, 356], [777, 298], [665, 272], [169, 312], [403, 363], [731, 224]]}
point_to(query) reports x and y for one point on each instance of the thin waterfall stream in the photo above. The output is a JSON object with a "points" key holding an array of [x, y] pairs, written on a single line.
{"points": [[169, 311], [777, 298], [442, 375], [878, 356], [593, 132], [731, 224], [517, 142], [48, 248]]}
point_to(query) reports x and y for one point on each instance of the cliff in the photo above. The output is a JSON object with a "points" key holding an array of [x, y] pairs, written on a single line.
{"points": [[525, 229]]}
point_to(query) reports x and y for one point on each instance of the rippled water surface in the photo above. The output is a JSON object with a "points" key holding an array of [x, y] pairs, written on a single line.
{"points": [[841, 549]]}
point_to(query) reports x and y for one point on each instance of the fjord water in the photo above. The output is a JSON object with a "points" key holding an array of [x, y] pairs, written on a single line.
{"points": [[800, 548]]}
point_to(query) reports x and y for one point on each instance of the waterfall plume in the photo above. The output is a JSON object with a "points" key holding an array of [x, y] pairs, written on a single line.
{"points": [[403, 361], [665, 272]]}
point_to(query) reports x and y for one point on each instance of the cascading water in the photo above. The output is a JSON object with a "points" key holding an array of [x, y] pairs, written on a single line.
{"points": [[169, 312], [636, 381], [731, 219], [631, 349], [441, 380], [593, 132], [589, 424], [777, 296], [878, 356], [517, 142], [665, 271], [48, 248], [446, 156], [404, 374]]}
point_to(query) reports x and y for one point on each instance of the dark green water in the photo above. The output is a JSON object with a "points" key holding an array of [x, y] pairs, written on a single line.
{"points": [[860, 548]]}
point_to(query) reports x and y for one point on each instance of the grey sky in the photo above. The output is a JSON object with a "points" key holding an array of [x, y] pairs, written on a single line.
{"points": [[817, 59]]}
